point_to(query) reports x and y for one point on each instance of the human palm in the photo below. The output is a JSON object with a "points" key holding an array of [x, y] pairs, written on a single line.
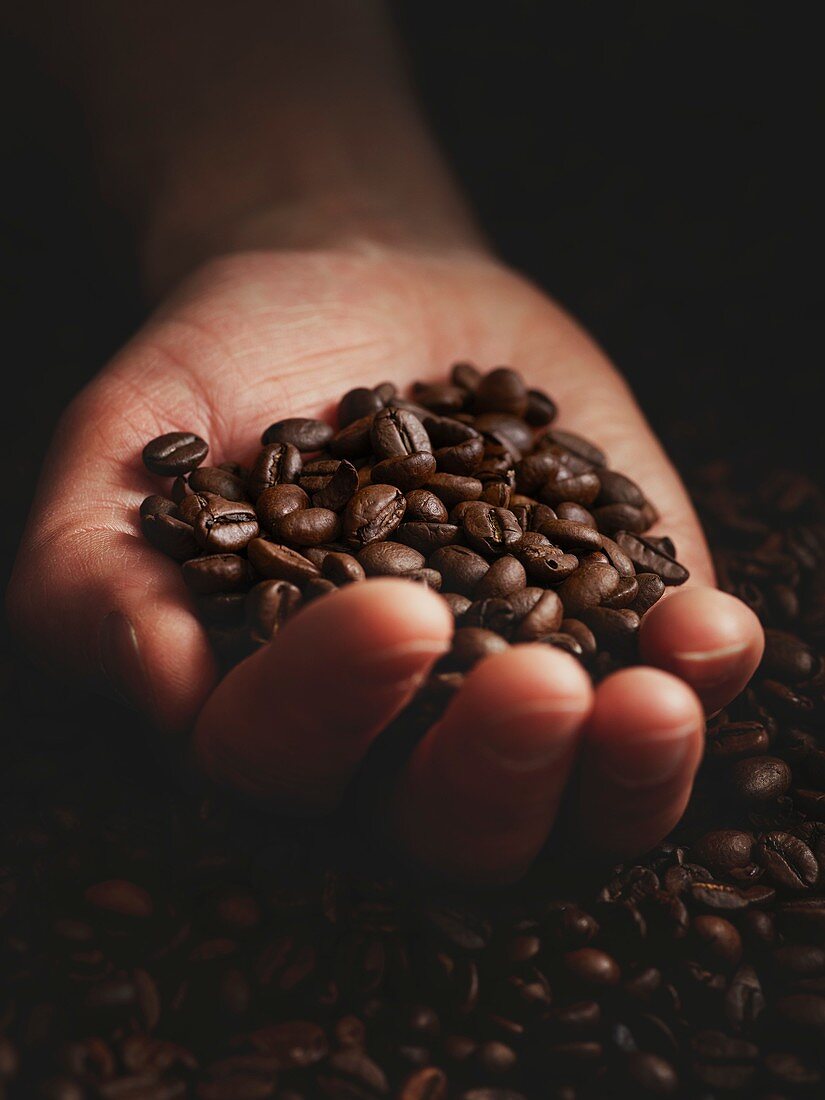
{"points": [[259, 336]]}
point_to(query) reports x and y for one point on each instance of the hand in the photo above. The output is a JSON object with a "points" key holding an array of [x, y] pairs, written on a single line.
{"points": [[258, 336]]}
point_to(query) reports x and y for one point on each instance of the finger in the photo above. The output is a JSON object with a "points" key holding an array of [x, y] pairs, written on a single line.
{"points": [[640, 751], [710, 639], [482, 789], [292, 722]]}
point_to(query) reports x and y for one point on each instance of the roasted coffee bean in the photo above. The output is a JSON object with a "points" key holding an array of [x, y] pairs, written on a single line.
{"points": [[269, 604], [496, 493], [353, 441], [615, 519], [490, 613], [587, 588], [212, 479], [428, 537], [389, 559], [541, 409], [789, 862], [373, 513], [470, 645], [174, 453], [786, 658], [625, 594], [651, 588], [565, 642], [465, 375], [724, 850], [174, 537], [440, 398], [317, 587], [567, 534], [278, 501], [511, 432], [225, 525], [759, 779], [534, 471], [649, 559], [357, 404], [446, 431], [614, 629], [542, 618], [734, 740], [583, 635], [430, 577], [216, 573], [501, 390], [397, 432], [424, 507], [458, 604], [460, 458], [565, 485], [301, 432], [575, 513], [276, 562], [544, 563], [222, 609], [276, 464], [191, 507], [453, 488], [339, 489], [308, 527], [460, 567], [616, 488], [491, 531], [343, 568], [156, 505], [505, 576], [576, 445], [406, 472], [717, 941]]}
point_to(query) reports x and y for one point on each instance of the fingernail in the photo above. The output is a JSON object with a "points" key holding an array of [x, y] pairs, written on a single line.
{"points": [[525, 754], [649, 763], [121, 661]]}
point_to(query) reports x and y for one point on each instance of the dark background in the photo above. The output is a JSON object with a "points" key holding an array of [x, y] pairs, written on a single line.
{"points": [[652, 165]]}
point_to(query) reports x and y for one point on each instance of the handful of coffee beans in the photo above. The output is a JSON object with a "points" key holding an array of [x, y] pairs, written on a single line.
{"points": [[467, 488]]}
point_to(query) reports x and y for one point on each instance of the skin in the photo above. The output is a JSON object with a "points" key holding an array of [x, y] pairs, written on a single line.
{"points": [[276, 311]]}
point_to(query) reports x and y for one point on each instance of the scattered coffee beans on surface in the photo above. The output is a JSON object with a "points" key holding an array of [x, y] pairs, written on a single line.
{"points": [[157, 943], [467, 488]]}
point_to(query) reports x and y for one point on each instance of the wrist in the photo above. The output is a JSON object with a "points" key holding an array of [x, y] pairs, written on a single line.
{"points": [[178, 236]]}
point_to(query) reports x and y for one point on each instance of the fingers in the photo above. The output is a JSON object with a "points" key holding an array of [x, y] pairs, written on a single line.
{"points": [[710, 639], [641, 747], [292, 722], [481, 791]]}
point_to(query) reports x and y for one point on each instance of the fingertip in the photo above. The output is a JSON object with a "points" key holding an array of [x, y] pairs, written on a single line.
{"points": [[708, 638]]}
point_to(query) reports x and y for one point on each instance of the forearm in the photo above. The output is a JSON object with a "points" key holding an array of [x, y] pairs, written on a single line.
{"points": [[222, 126]]}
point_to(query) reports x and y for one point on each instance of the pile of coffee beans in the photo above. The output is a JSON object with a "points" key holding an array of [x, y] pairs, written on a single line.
{"points": [[466, 487], [158, 942]]}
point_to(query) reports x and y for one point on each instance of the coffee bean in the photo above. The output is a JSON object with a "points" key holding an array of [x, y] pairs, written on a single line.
{"points": [[120, 896], [353, 441], [589, 966], [616, 519], [649, 559], [511, 432], [460, 567], [446, 431], [760, 779], [786, 658], [465, 375], [651, 588], [453, 488], [616, 488], [216, 573], [582, 634], [461, 458], [357, 404], [269, 605], [276, 562], [625, 594], [542, 618], [221, 483], [339, 489], [470, 645], [308, 527], [501, 390], [541, 409], [278, 501], [156, 505], [276, 464], [390, 559], [717, 941], [587, 588], [174, 453], [789, 862], [191, 507], [576, 445], [457, 603], [395, 432], [491, 531], [490, 613], [170, 535], [424, 507], [225, 525], [301, 432], [614, 629], [343, 568], [734, 740], [428, 537], [406, 472], [505, 576], [544, 563], [565, 485], [440, 398], [570, 536], [373, 513], [805, 1013]]}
